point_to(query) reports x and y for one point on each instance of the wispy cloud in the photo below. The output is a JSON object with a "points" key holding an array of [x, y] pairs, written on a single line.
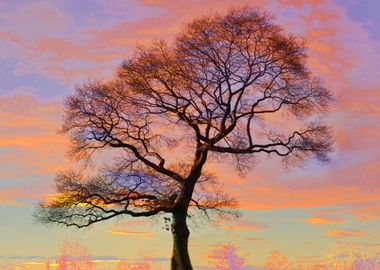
{"points": [[129, 232], [325, 219], [246, 225], [342, 233], [258, 239]]}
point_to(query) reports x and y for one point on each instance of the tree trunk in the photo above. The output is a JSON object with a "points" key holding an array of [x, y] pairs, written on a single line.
{"points": [[180, 258]]}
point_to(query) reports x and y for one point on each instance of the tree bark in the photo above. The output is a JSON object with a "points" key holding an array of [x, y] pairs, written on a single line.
{"points": [[180, 258]]}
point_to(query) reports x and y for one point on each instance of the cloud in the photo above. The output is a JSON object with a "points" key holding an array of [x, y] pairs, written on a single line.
{"points": [[247, 225], [70, 44], [301, 3], [8, 195], [132, 222], [28, 134], [256, 239], [343, 233], [325, 219], [339, 47], [31, 150], [130, 232], [350, 180], [62, 41]]}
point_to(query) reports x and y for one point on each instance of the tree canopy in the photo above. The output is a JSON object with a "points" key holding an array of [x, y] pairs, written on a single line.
{"points": [[172, 105]]}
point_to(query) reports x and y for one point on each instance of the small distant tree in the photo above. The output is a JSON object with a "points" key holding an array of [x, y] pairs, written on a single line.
{"points": [[172, 106]]}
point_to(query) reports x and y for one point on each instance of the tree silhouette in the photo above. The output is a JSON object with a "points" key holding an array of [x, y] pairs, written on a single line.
{"points": [[173, 106]]}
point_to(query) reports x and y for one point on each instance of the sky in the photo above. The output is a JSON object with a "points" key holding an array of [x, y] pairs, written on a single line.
{"points": [[298, 215]]}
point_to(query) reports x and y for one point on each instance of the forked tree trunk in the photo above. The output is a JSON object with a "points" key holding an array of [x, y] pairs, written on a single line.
{"points": [[180, 258]]}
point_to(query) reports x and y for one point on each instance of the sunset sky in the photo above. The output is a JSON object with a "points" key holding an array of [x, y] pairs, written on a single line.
{"points": [[48, 47]]}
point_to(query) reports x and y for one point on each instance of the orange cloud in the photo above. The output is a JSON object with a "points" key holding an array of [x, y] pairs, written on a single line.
{"points": [[30, 148], [244, 227], [270, 187], [343, 233], [269, 197], [258, 239], [28, 135], [8, 195], [128, 232], [248, 225], [132, 222], [325, 220]]}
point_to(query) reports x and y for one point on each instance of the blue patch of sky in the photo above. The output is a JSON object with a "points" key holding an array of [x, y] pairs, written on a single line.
{"points": [[284, 14], [4, 150], [103, 14], [286, 226], [15, 181], [19, 233], [364, 11], [26, 257], [341, 159], [81, 64], [29, 84], [8, 8], [309, 168]]}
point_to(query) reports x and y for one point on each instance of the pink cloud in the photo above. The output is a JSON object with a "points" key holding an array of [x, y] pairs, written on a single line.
{"points": [[44, 37], [300, 3]]}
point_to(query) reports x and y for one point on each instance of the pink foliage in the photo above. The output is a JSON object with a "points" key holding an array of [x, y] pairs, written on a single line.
{"points": [[277, 261], [226, 257], [74, 256]]}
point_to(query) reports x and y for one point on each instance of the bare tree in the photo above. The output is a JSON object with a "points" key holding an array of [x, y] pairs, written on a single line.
{"points": [[172, 106]]}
